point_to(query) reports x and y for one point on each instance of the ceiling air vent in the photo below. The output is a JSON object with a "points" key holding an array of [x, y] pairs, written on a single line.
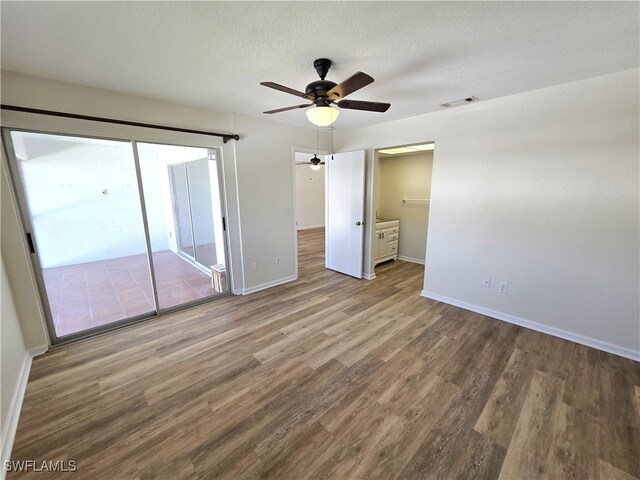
{"points": [[457, 103]]}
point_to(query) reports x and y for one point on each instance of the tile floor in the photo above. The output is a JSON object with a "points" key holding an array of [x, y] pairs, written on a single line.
{"points": [[92, 294]]}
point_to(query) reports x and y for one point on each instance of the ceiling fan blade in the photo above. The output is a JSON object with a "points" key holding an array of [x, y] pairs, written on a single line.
{"points": [[278, 110], [350, 85], [284, 89], [360, 105]]}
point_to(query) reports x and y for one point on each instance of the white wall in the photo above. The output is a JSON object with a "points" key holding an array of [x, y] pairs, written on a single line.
{"points": [[408, 176], [265, 185], [309, 194], [13, 352], [540, 190]]}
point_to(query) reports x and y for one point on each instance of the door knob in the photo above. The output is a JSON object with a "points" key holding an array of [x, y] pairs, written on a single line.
{"points": [[358, 223]]}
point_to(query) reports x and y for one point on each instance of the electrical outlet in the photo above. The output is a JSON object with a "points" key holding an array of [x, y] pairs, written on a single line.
{"points": [[277, 260], [486, 282], [254, 266], [504, 286]]}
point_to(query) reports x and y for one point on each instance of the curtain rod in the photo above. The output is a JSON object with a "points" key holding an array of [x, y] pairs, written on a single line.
{"points": [[225, 136]]}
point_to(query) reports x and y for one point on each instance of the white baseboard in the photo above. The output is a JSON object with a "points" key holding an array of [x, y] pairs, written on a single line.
{"points": [[273, 283], [410, 259], [15, 406], [539, 327], [309, 227], [369, 276], [40, 350]]}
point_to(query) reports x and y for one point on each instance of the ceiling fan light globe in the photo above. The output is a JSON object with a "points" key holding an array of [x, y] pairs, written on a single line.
{"points": [[315, 167], [322, 116]]}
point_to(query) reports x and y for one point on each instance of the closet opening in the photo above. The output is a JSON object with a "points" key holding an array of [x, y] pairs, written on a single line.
{"points": [[401, 199]]}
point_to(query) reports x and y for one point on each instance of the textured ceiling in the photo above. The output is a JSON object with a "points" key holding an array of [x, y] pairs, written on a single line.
{"points": [[214, 54]]}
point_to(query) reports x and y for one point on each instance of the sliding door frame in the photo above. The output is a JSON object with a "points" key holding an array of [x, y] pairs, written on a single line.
{"points": [[16, 182], [145, 224]]}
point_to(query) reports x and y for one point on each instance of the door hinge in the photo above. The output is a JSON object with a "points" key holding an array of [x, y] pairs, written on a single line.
{"points": [[224, 224], [32, 249]]}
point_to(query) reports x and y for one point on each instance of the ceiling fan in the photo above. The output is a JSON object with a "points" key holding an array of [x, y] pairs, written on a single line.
{"points": [[325, 93], [315, 162]]}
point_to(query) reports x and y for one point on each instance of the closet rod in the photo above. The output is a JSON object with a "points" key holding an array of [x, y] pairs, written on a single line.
{"points": [[225, 136], [420, 200]]}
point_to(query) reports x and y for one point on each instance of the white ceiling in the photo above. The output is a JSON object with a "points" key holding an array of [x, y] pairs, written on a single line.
{"points": [[214, 54]]}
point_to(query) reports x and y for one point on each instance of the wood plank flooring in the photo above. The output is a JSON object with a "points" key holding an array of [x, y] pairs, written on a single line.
{"points": [[331, 377]]}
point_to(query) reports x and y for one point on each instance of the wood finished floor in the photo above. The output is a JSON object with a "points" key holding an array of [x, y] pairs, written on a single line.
{"points": [[330, 377]]}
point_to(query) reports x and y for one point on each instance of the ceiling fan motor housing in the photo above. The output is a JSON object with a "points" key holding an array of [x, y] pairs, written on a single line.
{"points": [[319, 88]]}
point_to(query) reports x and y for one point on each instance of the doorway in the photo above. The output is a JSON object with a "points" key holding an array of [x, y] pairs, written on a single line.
{"points": [[344, 211], [100, 218], [309, 209], [401, 201]]}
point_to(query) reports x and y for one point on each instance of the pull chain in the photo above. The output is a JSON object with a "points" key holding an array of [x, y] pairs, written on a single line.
{"points": [[331, 143]]}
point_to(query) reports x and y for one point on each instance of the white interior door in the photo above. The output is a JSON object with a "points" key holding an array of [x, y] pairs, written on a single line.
{"points": [[345, 178]]}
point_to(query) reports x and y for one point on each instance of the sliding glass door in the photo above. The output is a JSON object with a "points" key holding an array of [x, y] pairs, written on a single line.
{"points": [[113, 240], [183, 203]]}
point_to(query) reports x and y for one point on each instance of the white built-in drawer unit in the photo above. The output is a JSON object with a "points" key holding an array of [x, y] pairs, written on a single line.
{"points": [[386, 241]]}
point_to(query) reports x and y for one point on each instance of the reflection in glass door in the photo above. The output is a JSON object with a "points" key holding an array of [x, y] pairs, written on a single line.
{"points": [[83, 208], [193, 210], [121, 230], [202, 216], [182, 210], [182, 199]]}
